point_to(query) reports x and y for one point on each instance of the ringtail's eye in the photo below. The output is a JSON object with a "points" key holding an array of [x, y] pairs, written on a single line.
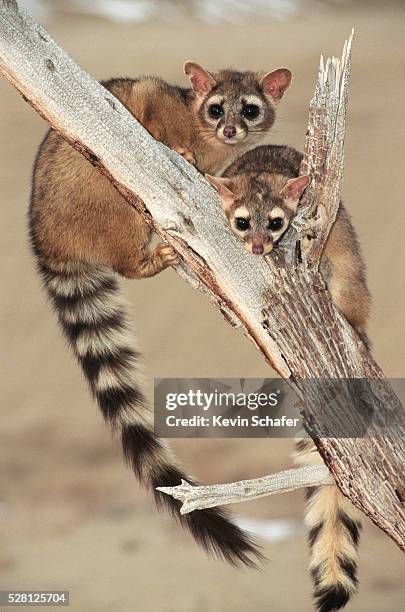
{"points": [[276, 224], [250, 111], [242, 224], [215, 111]]}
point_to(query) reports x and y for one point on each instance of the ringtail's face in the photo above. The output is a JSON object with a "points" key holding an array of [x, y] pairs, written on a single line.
{"points": [[259, 207], [236, 107]]}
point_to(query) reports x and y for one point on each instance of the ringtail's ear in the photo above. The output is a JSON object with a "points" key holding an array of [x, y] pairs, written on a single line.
{"points": [[275, 83], [294, 188], [226, 188], [201, 80]]}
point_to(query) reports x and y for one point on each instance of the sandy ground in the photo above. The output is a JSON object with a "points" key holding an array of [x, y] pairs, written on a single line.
{"points": [[71, 516]]}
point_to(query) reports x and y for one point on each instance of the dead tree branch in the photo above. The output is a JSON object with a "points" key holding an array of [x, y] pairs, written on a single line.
{"points": [[198, 498], [280, 301]]}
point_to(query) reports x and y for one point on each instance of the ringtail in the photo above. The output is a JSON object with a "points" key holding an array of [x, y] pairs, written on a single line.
{"points": [[260, 193], [83, 234]]}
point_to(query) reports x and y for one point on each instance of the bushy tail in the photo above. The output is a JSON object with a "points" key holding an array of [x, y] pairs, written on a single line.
{"points": [[333, 532], [91, 312]]}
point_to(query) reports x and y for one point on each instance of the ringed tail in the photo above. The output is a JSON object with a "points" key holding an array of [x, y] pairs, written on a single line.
{"points": [[333, 532], [92, 315]]}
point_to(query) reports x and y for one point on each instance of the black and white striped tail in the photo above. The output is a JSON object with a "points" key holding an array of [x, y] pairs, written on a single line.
{"points": [[333, 532], [91, 312]]}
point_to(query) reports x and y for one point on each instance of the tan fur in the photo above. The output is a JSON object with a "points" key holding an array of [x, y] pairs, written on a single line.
{"points": [[325, 505], [169, 118], [76, 214], [343, 270]]}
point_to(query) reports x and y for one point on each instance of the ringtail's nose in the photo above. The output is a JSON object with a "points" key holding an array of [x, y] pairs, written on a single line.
{"points": [[257, 249], [229, 131], [257, 246]]}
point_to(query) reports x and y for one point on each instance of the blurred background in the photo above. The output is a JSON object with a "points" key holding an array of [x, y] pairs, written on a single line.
{"points": [[71, 515]]}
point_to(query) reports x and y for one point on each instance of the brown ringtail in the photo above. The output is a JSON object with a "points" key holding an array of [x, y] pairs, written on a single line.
{"points": [[84, 233], [260, 193]]}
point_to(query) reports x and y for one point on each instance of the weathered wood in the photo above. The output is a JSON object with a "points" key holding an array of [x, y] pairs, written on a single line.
{"points": [[200, 497], [282, 306], [324, 155]]}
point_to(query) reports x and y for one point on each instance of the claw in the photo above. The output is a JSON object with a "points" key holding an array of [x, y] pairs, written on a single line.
{"points": [[167, 254], [186, 154]]}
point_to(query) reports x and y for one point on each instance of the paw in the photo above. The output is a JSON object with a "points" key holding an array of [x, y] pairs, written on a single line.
{"points": [[186, 154], [167, 255]]}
